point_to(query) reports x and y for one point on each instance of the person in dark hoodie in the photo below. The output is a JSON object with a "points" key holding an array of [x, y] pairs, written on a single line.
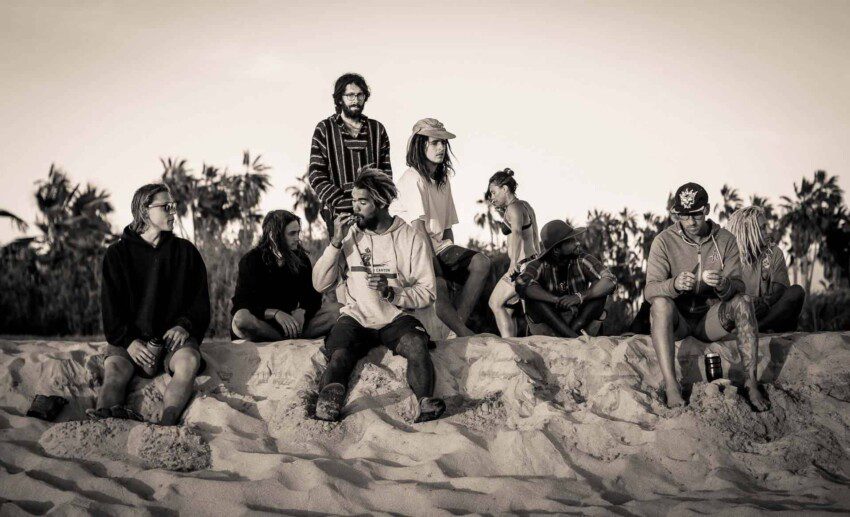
{"points": [[382, 268], [154, 286], [274, 297], [693, 281]]}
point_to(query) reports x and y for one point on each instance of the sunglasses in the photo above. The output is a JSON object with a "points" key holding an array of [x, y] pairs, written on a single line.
{"points": [[168, 207]]}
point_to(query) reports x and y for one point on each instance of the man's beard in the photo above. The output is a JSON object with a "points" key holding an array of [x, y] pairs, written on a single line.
{"points": [[367, 223], [350, 114]]}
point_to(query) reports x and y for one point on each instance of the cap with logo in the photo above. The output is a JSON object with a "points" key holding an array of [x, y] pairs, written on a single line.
{"points": [[690, 199]]}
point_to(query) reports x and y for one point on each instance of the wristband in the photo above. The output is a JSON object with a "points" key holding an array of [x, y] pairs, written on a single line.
{"points": [[335, 246], [580, 298]]}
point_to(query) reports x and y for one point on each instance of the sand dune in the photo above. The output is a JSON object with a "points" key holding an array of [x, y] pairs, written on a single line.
{"points": [[533, 425]]}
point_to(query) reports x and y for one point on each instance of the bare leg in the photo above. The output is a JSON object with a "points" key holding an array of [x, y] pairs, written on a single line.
{"points": [[247, 326], [420, 368], [740, 309], [479, 268], [322, 322], [117, 372], [184, 363], [446, 311], [663, 318], [785, 313], [588, 311], [547, 313], [502, 293]]}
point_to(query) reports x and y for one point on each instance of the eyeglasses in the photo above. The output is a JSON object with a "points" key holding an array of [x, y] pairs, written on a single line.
{"points": [[691, 217], [352, 96], [168, 207]]}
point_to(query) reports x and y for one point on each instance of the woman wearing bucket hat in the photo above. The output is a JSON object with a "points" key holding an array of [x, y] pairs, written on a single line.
{"points": [[425, 201], [566, 288]]}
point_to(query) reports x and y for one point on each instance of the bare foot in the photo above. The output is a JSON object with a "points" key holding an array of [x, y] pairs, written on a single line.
{"points": [[756, 398], [674, 396]]}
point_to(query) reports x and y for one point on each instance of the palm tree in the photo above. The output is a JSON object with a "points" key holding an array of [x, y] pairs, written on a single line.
{"points": [[817, 206], [731, 202], [19, 223], [306, 200], [71, 217], [486, 218]]}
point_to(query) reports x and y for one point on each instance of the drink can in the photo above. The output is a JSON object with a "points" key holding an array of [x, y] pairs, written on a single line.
{"points": [[713, 367], [156, 346]]}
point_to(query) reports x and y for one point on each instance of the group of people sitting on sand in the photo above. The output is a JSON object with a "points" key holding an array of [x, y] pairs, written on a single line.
{"points": [[392, 251]]}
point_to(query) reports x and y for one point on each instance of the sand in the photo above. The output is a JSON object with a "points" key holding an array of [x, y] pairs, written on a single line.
{"points": [[534, 425]]}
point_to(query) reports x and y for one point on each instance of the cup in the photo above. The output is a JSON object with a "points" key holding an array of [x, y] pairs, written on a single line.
{"points": [[155, 346]]}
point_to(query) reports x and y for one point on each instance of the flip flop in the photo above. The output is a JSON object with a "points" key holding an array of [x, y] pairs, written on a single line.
{"points": [[118, 411], [330, 401], [98, 414], [430, 408]]}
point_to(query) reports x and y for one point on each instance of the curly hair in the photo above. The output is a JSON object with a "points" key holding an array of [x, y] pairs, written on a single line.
{"points": [[139, 206], [416, 158], [343, 81], [379, 185], [272, 244], [744, 225]]}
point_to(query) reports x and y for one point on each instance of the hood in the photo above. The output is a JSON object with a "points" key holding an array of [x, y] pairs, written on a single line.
{"points": [[132, 237]]}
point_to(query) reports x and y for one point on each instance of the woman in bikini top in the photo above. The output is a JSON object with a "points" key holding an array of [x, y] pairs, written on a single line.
{"points": [[520, 225]]}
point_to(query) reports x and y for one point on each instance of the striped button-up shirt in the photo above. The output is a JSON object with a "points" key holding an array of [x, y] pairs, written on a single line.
{"points": [[336, 156]]}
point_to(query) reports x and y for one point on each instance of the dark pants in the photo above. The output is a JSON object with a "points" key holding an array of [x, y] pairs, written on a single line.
{"points": [[545, 320], [784, 315], [349, 341]]}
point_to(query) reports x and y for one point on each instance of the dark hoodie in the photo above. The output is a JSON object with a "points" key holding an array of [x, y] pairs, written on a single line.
{"points": [[146, 291], [672, 252]]}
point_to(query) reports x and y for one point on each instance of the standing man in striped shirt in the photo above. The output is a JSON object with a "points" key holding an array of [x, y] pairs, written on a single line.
{"points": [[344, 143]]}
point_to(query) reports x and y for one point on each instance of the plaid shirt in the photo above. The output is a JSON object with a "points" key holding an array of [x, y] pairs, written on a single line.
{"points": [[575, 276]]}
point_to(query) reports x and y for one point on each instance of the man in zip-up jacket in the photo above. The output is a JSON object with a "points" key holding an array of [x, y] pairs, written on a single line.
{"points": [[381, 267], [693, 281]]}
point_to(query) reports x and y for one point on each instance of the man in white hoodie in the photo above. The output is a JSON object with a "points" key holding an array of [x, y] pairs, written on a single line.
{"points": [[382, 267]]}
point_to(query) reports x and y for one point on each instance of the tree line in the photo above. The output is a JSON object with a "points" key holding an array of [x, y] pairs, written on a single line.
{"points": [[51, 280]]}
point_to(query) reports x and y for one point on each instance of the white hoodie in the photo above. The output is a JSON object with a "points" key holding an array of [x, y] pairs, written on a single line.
{"points": [[400, 253]]}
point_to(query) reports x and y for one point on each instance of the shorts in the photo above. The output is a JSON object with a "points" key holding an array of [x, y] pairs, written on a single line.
{"points": [[164, 363], [453, 263], [510, 277], [348, 334], [706, 327]]}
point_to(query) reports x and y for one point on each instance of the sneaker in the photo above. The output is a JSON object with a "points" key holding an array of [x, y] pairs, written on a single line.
{"points": [[430, 408], [330, 402]]}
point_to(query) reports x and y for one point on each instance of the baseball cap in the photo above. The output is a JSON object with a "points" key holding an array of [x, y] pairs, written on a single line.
{"points": [[433, 128], [690, 198]]}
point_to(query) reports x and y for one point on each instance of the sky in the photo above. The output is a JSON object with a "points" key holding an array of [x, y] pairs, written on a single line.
{"points": [[599, 105]]}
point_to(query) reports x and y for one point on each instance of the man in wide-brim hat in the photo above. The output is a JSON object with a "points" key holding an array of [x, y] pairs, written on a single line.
{"points": [[565, 288]]}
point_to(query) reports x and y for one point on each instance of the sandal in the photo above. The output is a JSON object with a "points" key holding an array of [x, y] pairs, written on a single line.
{"points": [[125, 413], [98, 414], [430, 408], [330, 401]]}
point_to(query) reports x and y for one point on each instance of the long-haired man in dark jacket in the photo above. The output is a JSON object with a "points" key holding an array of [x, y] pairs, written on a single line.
{"points": [[154, 287]]}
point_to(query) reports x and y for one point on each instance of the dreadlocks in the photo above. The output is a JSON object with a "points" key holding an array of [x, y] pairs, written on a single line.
{"points": [[272, 244], [378, 184], [744, 225]]}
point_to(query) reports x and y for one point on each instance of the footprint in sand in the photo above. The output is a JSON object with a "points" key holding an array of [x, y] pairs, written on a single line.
{"points": [[148, 445]]}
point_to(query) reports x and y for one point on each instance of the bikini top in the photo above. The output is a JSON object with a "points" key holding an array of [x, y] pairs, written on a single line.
{"points": [[506, 230]]}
